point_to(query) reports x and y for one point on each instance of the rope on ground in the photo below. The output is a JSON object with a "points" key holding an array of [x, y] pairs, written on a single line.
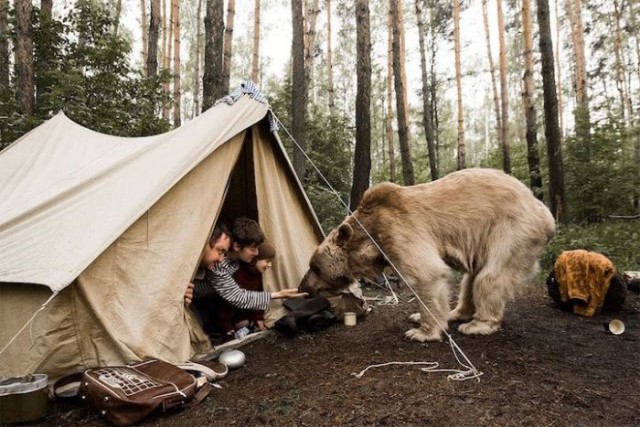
{"points": [[463, 360]]}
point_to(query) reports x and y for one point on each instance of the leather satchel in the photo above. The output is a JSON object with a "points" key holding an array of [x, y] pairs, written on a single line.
{"points": [[124, 395]]}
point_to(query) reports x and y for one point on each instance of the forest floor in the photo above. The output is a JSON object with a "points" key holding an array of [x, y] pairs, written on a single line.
{"points": [[545, 367]]}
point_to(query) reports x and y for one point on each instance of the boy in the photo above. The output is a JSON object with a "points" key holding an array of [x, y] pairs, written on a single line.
{"points": [[248, 276]]}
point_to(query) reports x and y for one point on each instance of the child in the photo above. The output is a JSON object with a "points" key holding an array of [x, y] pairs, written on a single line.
{"points": [[249, 276]]}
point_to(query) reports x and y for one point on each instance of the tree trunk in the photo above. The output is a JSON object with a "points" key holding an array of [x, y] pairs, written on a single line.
{"points": [[166, 106], [330, 88], [426, 98], [116, 18], [552, 132], [24, 57], [362, 155], [389, 118], [228, 45], [4, 45], [582, 113], [559, 73], [144, 30], [298, 91], [177, 120], [44, 62], [154, 27], [433, 87], [492, 71], [401, 97], [310, 43], [462, 162], [213, 30], [196, 73], [163, 20], [504, 93], [529, 104], [621, 74], [255, 63]]}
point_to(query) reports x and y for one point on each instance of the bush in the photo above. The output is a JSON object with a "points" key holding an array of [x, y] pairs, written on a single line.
{"points": [[617, 240]]}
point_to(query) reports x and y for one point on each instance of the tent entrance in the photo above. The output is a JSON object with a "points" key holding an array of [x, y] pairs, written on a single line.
{"points": [[241, 198]]}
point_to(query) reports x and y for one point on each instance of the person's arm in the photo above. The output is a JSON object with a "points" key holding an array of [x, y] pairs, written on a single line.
{"points": [[222, 281], [202, 287]]}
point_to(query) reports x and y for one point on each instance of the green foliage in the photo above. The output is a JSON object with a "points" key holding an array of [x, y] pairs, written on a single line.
{"points": [[601, 176], [617, 240], [83, 68], [328, 140]]}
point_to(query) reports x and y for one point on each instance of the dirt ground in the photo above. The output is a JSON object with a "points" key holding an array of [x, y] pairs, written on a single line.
{"points": [[544, 367]]}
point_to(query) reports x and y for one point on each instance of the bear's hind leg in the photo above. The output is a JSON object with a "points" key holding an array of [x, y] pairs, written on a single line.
{"points": [[490, 293], [465, 308]]}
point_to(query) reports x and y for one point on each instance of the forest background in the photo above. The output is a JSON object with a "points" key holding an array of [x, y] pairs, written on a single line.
{"points": [[406, 91]]}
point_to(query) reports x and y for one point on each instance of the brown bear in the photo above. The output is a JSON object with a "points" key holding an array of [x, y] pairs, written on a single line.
{"points": [[482, 222]]}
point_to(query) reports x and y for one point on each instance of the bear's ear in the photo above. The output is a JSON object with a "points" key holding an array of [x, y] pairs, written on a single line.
{"points": [[344, 234]]}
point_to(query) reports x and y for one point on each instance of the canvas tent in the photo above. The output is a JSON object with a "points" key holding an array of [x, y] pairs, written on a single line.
{"points": [[99, 235]]}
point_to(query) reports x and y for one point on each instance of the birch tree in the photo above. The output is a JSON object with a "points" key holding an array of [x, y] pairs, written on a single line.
{"points": [[255, 63], [310, 41], [166, 63], [228, 45], [177, 98]]}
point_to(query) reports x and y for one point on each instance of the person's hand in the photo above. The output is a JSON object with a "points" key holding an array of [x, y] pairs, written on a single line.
{"points": [[188, 294], [261, 325], [288, 293]]}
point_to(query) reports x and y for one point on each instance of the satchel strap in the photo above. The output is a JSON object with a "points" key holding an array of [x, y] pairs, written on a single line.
{"points": [[201, 394]]}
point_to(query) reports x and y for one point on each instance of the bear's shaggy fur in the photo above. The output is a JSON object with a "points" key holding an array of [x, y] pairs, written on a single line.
{"points": [[479, 221]]}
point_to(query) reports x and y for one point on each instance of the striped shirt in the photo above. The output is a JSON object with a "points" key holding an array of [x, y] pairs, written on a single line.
{"points": [[220, 281]]}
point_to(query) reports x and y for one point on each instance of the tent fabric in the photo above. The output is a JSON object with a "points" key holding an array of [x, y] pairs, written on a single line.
{"points": [[123, 221], [61, 182]]}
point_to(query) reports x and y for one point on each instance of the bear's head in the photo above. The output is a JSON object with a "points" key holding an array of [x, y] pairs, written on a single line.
{"points": [[345, 255]]}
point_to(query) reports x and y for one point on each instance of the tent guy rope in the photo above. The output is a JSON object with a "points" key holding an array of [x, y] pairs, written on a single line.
{"points": [[29, 322], [470, 370]]}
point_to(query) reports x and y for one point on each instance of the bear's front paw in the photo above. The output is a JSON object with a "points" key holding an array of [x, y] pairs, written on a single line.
{"points": [[418, 334], [415, 318], [476, 327]]}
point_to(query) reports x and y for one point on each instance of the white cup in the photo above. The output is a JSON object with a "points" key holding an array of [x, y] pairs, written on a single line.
{"points": [[350, 318], [616, 327]]}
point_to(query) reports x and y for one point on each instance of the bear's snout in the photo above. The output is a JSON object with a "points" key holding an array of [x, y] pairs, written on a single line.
{"points": [[311, 283]]}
